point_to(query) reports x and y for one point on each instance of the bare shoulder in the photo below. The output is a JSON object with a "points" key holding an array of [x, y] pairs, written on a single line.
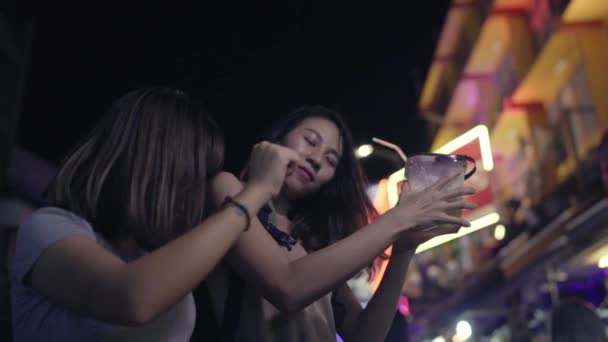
{"points": [[224, 184]]}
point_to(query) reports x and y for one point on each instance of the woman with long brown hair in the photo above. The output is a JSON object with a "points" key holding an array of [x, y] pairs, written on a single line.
{"points": [[125, 236]]}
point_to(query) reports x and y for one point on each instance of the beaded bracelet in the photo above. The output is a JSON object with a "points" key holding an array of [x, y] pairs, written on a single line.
{"points": [[239, 206]]}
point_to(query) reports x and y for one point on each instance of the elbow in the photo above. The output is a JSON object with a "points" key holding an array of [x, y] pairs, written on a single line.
{"points": [[138, 315], [287, 306], [286, 301], [137, 310]]}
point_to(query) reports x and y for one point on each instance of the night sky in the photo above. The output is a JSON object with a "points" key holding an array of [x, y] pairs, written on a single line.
{"points": [[251, 62]]}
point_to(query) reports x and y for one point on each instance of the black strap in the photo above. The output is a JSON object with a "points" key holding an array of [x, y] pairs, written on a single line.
{"points": [[232, 307], [207, 327], [278, 235]]}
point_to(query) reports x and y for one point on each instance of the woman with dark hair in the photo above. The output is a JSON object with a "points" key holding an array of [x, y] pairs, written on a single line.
{"points": [[285, 279], [126, 236]]}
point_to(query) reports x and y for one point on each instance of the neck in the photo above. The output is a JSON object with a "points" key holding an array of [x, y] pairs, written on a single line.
{"points": [[280, 205]]}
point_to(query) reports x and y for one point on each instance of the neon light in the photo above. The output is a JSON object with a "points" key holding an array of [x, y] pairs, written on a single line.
{"points": [[476, 225], [478, 132]]}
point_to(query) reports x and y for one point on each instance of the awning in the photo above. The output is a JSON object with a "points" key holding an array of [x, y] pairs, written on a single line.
{"points": [[593, 44], [582, 38], [510, 4], [504, 43], [460, 116], [491, 46], [461, 28], [550, 72], [509, 138], [586, 10], [441, 75], [459, 33], [577, 52]]}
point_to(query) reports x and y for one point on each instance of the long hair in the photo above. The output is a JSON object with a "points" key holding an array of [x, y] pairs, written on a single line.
{"points": [[143, 170], [341, 206]]}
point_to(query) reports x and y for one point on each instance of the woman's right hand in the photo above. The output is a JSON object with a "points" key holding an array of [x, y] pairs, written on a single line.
{"points": [[268, 166], [430, 206]]}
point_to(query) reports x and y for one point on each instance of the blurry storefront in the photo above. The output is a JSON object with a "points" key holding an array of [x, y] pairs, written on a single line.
{"points": [[530, 104]]}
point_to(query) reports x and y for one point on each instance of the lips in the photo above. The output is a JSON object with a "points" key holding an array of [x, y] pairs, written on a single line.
{"points": [[307, 172]]}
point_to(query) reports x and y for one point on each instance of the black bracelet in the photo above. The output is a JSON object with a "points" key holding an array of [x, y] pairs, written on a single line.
{"points": [[239, 206]]}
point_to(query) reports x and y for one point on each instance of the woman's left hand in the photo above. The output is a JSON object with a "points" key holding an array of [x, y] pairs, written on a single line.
{"points": [[410, 240]]}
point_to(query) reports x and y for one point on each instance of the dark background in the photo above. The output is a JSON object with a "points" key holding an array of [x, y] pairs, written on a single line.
{"points": [[251, 63]]}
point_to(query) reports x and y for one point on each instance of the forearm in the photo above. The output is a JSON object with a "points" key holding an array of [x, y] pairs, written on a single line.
{"points": [[80, 274], [292, 285], [158, 280], [375, 320], [313, 276]]}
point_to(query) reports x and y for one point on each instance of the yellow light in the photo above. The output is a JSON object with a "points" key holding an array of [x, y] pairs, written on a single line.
{"points": [[478, 132], [463, 330], [499, 232], [364, 151], [439, 339], [603, 262], [476, 225]]}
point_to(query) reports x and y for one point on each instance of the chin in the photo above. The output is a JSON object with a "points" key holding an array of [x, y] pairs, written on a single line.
{"points": [[295, 189]]}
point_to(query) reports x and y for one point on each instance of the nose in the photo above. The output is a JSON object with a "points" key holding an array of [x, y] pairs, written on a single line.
{"points": [[314, 162]]}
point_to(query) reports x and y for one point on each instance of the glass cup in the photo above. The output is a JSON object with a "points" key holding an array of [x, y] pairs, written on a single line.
{"points": [[425, 169]]}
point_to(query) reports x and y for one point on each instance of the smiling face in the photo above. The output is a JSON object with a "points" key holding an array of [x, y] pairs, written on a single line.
{"points": [[319, 142]]}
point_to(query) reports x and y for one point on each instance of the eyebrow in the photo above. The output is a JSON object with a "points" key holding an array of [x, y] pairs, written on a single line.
{"points": [[320, 137]]}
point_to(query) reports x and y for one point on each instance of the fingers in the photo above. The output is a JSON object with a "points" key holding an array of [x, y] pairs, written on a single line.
{"points": [[422, 236], [286, 154], [405, 189], [461, 204], [452, 230], [451, 194], [440, 184], [447, 219], [290, 155], [443, 218], [440, 230], [257, 148]]}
